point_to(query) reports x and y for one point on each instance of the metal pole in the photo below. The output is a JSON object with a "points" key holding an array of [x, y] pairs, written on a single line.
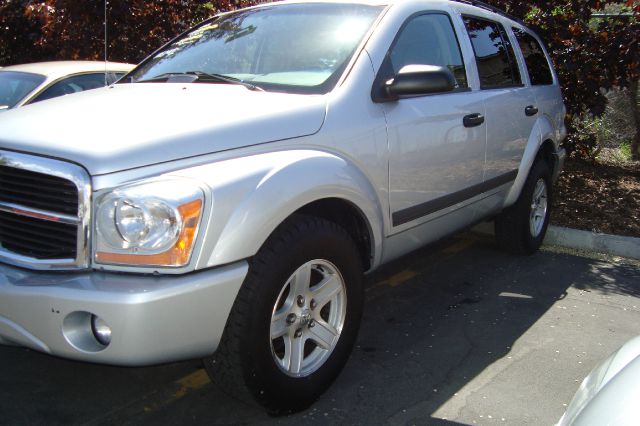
{"points": [[105, 43]]}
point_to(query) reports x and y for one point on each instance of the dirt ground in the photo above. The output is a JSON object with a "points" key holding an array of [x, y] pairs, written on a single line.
{"points": [[598, 197]]}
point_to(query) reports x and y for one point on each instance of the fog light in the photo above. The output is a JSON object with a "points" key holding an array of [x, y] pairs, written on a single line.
{"points": [[101, 330]]}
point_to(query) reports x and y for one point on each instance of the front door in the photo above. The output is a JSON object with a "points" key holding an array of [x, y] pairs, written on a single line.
{"points": [[436, 142]]}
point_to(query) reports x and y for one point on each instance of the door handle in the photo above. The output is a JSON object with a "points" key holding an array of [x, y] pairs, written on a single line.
{"points": [[473, 120], [530, 110]]}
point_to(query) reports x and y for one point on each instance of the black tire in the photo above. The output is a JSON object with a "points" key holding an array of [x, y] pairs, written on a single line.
{"points": [[512, 226], [243, 366]]}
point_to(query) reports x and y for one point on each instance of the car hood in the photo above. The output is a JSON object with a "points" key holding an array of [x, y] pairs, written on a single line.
{"points": [[133, 125]]}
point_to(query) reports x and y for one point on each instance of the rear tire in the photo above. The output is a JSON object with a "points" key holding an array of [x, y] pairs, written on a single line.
{"points": [[281, 347], [521, 228]]}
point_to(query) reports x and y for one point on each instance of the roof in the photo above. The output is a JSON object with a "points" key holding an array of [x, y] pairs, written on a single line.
{"points": [[59, 68], [476, 3]]}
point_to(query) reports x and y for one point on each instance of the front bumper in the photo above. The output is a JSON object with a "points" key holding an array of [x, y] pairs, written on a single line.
{"points": [[154, 319]]}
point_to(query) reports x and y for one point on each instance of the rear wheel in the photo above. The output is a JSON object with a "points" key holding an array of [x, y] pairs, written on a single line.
{"points": [[295, 318], [522, 227]]}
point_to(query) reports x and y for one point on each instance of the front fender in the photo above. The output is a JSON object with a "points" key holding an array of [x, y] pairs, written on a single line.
{"points": [[252, 195], [543, 130]]}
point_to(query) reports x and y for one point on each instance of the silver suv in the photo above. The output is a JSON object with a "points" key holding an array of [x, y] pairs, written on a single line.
{"points": [[224, 199]]}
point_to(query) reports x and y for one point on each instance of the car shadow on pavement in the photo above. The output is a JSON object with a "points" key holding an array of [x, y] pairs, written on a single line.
{"points": [[605, 278], [433, 322]]}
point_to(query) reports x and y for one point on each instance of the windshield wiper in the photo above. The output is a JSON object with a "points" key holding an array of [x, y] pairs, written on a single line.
{"points": [[223, 78], [202, 76]]}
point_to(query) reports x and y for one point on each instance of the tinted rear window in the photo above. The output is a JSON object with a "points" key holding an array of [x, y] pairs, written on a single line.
{"points": [[494, 54], [73, 84]]}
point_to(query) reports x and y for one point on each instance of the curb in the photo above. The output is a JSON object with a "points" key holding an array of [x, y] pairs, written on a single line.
{"points": [[602, 243], [583, 240]]}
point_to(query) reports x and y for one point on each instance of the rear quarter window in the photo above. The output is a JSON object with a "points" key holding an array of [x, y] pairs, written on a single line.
{"points": [[534, 57]]}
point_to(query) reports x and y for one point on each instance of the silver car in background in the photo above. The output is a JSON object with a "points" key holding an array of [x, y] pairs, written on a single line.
{"points": [[30, 83], [610, 394]]}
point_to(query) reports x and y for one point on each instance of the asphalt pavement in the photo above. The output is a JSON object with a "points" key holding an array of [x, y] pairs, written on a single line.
{"points": [[457, 333]]}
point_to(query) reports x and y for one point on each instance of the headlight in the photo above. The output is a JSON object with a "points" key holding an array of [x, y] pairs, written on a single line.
{"points": [[149, 224]]}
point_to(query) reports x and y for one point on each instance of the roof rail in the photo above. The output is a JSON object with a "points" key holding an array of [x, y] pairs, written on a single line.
{"points": [[490, 8]]}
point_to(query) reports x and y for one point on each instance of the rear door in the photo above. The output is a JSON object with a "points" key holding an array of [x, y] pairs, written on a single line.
{"points": [[510, 105], [541, 77]]}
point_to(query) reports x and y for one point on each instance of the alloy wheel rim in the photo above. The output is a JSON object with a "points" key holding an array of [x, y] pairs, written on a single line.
{"points": [[539, 205], [307, 318]]}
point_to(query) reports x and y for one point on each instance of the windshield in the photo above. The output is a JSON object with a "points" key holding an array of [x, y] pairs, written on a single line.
{"points": [[14, 86], [296, 48]]}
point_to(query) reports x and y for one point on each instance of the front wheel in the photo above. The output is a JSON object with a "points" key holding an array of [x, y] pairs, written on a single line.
{"points": [[308, 318], [522, 227], [295, 319]]}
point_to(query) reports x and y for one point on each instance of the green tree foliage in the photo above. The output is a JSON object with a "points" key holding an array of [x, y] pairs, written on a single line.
{"points": [[19, 31], [591, 54], [72, 29], [620, 38]]}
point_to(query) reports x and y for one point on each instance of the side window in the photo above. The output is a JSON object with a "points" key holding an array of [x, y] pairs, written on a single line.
{"points": [[494, 54], [537, 63], [112, 77], [71, 85], [429, 40]]}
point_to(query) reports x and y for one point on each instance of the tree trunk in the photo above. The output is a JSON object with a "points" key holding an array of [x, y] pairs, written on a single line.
{"points": [[635, 144]]}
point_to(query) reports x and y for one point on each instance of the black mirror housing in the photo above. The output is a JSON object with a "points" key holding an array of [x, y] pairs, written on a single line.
{"points": [[414, 80]]}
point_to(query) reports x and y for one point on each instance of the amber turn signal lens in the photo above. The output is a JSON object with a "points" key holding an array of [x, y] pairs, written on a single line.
{"points": [[178, 255]]}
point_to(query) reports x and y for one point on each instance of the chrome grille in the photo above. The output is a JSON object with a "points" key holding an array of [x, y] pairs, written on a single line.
{"points": [[44, 212], [37, 238], [37, 190]]}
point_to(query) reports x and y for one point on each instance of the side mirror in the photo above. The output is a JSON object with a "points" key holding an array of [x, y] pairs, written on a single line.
{"points": [[414, 80]]}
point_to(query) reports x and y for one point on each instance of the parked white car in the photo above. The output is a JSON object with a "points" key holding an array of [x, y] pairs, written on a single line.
{"points": [[252, 169], [29, 83], [609, 395]]}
